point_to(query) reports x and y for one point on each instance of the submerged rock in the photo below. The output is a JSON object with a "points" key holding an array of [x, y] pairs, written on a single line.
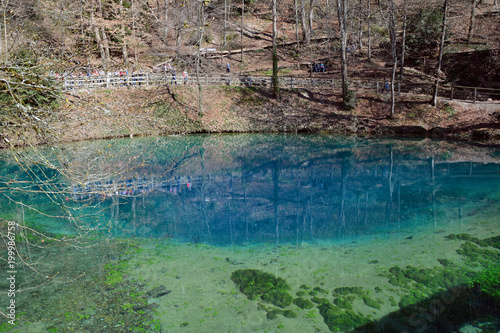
{"points": [[158, 292], [234, 261]]}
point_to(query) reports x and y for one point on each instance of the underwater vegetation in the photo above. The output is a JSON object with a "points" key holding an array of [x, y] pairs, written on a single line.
{"points": [[254, 284], [339, 315], [303, 303], [338, 319], [443, 299], [438, 299]]}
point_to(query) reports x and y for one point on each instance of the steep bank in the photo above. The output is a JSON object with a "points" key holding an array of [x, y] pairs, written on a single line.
{"points": [[183, 109]]}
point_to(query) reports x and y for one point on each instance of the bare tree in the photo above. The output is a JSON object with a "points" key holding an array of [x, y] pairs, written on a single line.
{"points": [[275, 80], [403, 41], [392, 31], [441, 48], [242, 27], [342, 17], [122, 31], [369, 31], [307, 18], [472, 20], [295, 2]]}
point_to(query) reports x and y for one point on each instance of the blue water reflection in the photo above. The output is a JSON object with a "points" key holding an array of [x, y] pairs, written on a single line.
{"points": [[242, 189]]}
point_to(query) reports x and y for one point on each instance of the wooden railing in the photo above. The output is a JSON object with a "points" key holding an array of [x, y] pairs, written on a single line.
{"points": [[157, 79]]}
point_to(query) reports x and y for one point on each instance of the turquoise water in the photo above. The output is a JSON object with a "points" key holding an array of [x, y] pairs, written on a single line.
{"points": [[319, 211], [265, 188]]}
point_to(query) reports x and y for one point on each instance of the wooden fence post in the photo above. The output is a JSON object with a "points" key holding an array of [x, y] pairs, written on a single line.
{"points": [[451, 95], [475, 95]]}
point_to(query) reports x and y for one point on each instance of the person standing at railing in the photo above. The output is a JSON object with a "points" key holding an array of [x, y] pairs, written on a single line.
{"points": [[174, 79], [185, 76], [386, 86], [228, 68]]}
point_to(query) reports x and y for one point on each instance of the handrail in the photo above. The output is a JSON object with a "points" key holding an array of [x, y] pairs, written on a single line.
{"points": [[158, 79]]}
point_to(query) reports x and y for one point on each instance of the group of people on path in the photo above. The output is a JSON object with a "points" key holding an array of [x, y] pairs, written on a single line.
{"points": [[319, 68], [169, 68]]}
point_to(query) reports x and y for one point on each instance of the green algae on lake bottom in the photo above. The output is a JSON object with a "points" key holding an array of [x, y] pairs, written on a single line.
{"points": [[254, 283], [418, 288]]}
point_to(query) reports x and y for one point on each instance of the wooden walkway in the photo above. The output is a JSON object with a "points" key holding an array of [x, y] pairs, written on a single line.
{"points": [[473, 94]]}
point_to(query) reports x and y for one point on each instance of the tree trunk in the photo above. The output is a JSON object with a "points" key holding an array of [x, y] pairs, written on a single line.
{"points": [[403, 42], [106, 43], [99, 42], [441, 47], [104, 37], [122, 32], [225, 24], [392, 31], [342, 14], [472, 20], [82, 31], [310, 21], [297, 23], [200, 27], [241, 36], [305, 33], [98, 37], [275, 55], [165, 22], [133, 30], [360, 26], [369, 32]]}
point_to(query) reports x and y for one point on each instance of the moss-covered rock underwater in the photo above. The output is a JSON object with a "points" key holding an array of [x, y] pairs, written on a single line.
{"points": [[458, 293]]}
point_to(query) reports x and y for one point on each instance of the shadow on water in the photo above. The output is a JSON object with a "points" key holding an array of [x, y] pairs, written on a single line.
{"points": [[447, 311]]}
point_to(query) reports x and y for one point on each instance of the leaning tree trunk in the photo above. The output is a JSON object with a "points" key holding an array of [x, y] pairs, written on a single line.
{"points": [[441, 47]]}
